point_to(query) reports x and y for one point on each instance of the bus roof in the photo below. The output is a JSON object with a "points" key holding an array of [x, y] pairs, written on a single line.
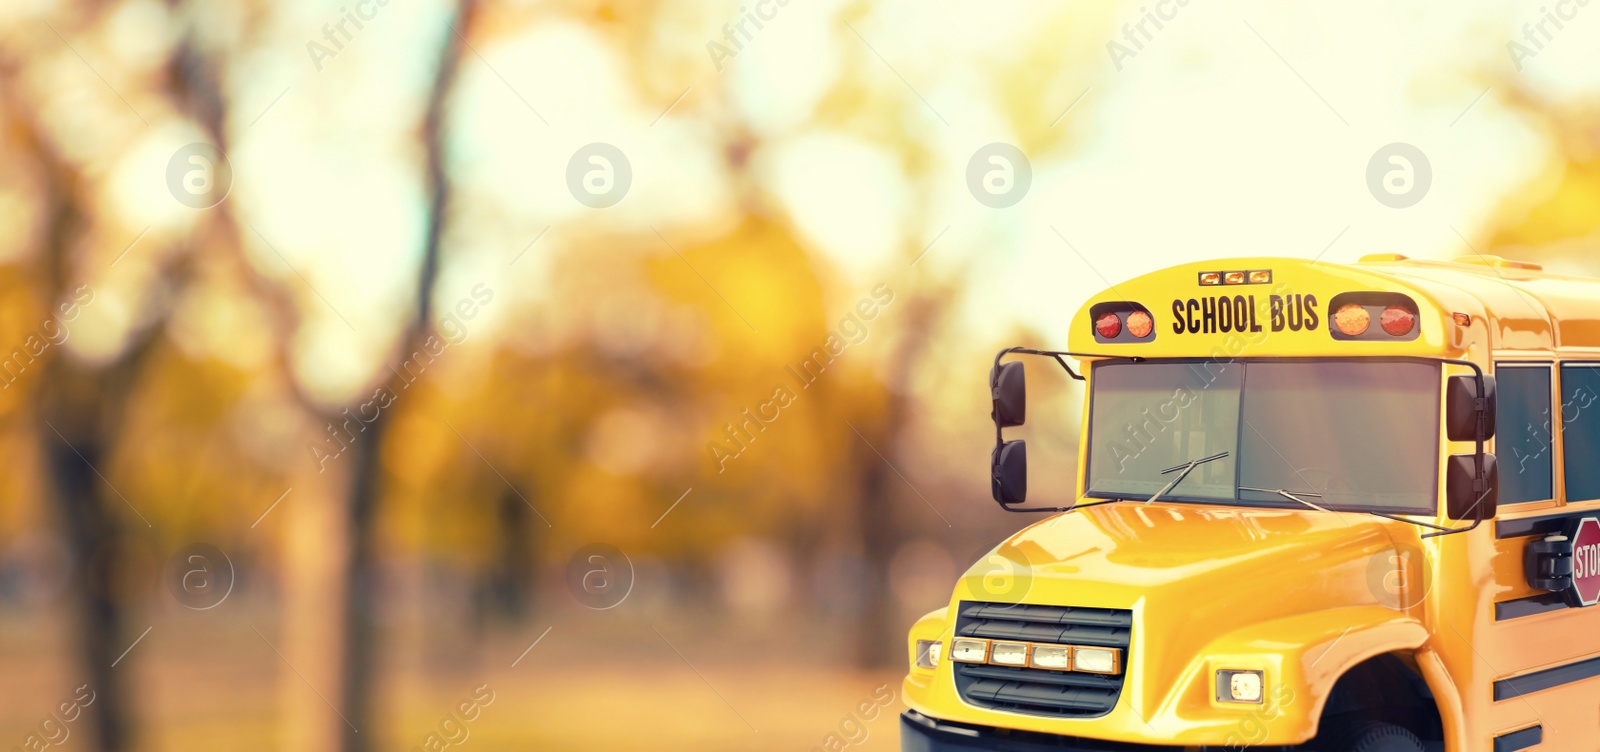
{"points": [[1282, 307]]}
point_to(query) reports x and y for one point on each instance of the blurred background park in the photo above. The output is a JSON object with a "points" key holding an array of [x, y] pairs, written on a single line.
{"points": [[425, 374]]}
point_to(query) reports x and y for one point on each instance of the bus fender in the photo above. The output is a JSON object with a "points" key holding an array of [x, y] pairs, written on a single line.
{"points": [[1446, 696], [1304, 656]]}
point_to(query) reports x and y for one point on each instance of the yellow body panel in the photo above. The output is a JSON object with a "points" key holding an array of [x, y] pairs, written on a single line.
{"points": [[1294, 593]]}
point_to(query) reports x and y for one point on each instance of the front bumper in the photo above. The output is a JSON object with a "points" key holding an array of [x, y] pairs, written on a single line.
{"points": [[919, 733]]}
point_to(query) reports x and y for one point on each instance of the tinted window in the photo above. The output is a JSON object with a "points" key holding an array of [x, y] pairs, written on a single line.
{"points": [[1354, 435], [1148, 417], [1580, 427], [1362, 434], [1522, 434]]}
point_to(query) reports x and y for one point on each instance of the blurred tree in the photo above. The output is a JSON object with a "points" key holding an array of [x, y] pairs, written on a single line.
{"points": [[81, 405], [599, 418], [880, 639], [353, 555], [360, 647], [1556, 218], [80, 410]]}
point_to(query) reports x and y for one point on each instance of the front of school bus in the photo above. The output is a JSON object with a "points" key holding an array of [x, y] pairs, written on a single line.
{"points": [[1265, 440]]}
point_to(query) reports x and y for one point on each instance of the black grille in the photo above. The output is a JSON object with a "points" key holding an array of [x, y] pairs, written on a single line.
{"points": [[1039, 691]]}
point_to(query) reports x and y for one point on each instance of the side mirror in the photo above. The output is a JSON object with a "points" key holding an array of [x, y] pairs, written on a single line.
{"points": [[1468, 498], [1008, 471], [1010, 392], [1461, 414]]}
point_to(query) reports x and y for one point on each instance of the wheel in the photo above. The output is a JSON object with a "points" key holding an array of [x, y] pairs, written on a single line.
{"points": [[1369, 736]]}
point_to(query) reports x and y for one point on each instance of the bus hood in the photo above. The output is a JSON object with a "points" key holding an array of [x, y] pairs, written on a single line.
{"points": [[1297, 595], [1124, 554]]}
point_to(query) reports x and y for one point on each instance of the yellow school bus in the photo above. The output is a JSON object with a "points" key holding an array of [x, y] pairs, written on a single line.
{"points": [[1318, 506]]}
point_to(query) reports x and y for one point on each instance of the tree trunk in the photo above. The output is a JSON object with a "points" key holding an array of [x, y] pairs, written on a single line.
{"points": [[879, 635], [359, 575], [93, 534], [79, 418], [513, 574], [79, 408], [360, 635]]}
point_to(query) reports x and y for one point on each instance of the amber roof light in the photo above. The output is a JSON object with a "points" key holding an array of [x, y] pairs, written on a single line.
{"points": [[1245, 277]]}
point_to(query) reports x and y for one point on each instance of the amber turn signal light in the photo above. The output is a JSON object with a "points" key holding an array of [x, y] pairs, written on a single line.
{"points": [[1352, 320], [1140, 324]]}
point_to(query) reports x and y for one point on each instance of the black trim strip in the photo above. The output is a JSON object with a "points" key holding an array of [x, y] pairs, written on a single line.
{"points": [[919, 733], [1547, 525], [1516, 740], [1532, 605], [1538, 681]]}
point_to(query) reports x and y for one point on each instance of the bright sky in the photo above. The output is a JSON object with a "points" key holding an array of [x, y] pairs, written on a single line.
{"points": [[1239, 129], [1236, 129]]}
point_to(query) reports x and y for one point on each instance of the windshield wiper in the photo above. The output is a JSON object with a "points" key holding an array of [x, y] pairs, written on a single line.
{"points": [[1297, 497], [1187, 468], [1289, 495]]}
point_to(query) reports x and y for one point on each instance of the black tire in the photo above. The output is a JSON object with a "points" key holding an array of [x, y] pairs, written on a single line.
{"points": [[1369, 736]]}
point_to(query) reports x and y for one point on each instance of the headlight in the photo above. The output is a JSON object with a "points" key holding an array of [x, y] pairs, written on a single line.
{"points": [[1097, 660], [1239, 686], [969, 651], [1009, 654], [1052, 658], [929, 652]]}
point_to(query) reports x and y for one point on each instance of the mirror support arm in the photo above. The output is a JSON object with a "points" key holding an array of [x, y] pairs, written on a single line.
{"points": [[1056, 510], [1446, 531], [1057, 355], [999, 439]]}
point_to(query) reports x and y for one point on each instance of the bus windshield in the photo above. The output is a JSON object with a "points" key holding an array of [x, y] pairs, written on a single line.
{"points": [[1354, 435]]}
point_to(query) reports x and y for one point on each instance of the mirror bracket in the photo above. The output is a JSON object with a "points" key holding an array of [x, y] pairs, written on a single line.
{"points": [[1008, 463], [1049, 353]]}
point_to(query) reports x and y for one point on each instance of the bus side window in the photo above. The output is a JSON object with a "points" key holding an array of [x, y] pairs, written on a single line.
{"points": [[1580, 429], [1524, 436]]}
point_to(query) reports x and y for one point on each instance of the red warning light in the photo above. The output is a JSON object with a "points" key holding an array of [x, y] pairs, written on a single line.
{"points": [[1109, 326], [1397, 321]]}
